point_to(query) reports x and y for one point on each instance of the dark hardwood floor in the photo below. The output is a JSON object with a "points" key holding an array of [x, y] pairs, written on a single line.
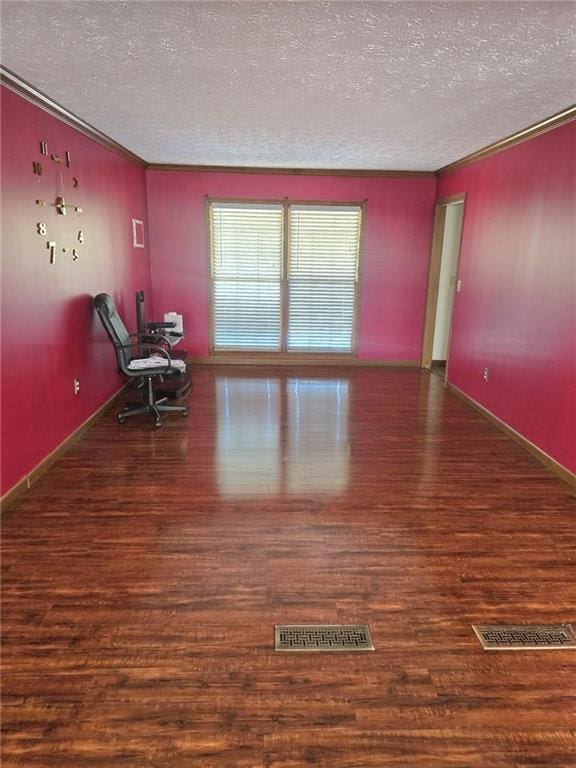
{"points": [[144, 573]]}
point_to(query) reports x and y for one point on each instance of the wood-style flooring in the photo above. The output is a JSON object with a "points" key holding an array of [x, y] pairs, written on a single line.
{"points": [[144, 573]]}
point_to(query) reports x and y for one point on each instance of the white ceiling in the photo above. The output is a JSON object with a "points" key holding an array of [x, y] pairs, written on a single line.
{"points": [[374, 85]]}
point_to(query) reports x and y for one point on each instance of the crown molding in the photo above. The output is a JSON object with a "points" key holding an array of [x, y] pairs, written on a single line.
{"points": [[542, 126], [32, 94], [41, 100], [288, 171]]}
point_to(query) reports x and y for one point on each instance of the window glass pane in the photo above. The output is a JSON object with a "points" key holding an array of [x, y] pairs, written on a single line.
{"points": [[322, 273], [247, 250], [246, 314]]}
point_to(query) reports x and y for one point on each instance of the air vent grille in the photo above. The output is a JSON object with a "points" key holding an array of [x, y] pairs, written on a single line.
{"points": [[323, 637], [506, 637]]}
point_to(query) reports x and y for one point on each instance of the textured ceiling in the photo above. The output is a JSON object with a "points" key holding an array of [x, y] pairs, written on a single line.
{"points": [[375, 85]]}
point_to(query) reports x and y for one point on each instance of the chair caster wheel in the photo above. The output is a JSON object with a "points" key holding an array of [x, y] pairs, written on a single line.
{"points": [[185, 413], [158, 423], [121, 418]]}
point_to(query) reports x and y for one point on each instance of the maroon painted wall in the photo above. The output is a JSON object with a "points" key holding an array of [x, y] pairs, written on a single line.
{"points": [[516, 313], [49, 331], [396, 248]]}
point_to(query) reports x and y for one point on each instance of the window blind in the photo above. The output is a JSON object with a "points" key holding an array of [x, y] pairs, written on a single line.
{"points": [[247, 258], [322, 275], [271, 293]]}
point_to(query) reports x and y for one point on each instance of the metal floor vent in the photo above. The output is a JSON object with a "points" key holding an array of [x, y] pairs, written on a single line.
{"points": [[505, 637], [323, 637]]}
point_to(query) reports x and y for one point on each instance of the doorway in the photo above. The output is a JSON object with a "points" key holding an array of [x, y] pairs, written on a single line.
{"points": [[443, 283]]}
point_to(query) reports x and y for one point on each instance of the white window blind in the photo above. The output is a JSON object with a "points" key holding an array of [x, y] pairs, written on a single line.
{"points": [[322, 275], [274, 294], [247, 254]]}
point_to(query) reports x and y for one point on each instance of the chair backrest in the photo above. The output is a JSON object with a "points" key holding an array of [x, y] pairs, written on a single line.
{"points": [[115, 328]]}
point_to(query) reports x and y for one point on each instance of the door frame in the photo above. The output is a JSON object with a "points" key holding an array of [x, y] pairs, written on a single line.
{"points": [[434, 273]]}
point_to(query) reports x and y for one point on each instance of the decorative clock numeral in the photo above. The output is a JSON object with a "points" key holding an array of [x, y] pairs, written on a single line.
{"points": [[51, 245], [68, 159], [37, 168], [75, 254], [80, 236], [75, 182], [43, 148], [41, 228]]}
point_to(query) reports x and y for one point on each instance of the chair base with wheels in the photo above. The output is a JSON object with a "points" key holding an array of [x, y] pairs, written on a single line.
{"points": [[151, 405]]}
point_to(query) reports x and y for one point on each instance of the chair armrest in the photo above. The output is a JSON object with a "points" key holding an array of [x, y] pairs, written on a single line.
{"points": [[149, 336], [139, 335], [168, 366], [148, 347], [160, 326]]}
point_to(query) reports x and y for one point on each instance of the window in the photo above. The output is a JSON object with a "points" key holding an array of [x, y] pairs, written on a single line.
{"points": [[284, 276], [247, 246]]}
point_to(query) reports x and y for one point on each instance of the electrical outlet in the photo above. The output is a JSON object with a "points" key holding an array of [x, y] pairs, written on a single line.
{"points": [[485, 374], [76, 386]]}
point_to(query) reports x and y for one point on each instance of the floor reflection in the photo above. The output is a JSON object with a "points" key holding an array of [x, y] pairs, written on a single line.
{"points": [[282, 436], [317, 445], [248, 436]]}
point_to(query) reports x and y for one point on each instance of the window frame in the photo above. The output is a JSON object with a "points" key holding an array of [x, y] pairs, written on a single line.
{"points": [[284, 353]]}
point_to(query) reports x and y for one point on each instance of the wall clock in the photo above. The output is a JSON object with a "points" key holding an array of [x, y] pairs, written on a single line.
{"points": [[74, 235]]}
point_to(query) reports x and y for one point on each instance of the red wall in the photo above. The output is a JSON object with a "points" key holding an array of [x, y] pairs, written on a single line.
{"points": [[516, 313], [49, 331], [395, 259]]}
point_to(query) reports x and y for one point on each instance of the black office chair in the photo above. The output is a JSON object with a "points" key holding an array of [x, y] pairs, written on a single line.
{"points": [[138, 359]]}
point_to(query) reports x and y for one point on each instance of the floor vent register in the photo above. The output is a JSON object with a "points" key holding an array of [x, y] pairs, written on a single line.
{"points": [[507, 637], [323, 637]]}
